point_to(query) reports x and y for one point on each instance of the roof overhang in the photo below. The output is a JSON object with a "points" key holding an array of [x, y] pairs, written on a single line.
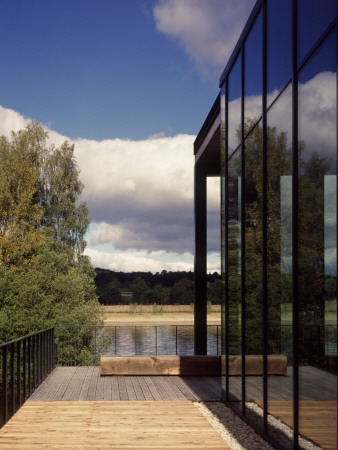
{"points": [[208, 142]]}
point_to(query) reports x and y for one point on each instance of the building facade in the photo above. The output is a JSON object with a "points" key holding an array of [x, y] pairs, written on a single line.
{"points": [[271, 137]]}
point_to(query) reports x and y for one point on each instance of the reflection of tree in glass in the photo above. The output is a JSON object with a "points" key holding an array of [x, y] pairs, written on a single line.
{"points": [[311, 258]]}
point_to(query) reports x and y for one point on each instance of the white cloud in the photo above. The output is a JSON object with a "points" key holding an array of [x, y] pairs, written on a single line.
{"points": [[136, 261], [208, 30], [139, 194]]}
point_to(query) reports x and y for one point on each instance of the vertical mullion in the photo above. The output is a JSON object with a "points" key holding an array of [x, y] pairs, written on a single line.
{"points": [[226, 243], [243, 341], [336, 208], [200, 264], [295, 324], [264, 224]]}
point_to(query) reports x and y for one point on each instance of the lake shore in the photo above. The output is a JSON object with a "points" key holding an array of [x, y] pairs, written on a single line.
{"points": [[161, 318]]}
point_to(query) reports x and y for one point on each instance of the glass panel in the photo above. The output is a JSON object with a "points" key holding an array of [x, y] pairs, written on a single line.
{"points": [[253, 75], [317, 218], [314, 16], [253, 272], [223, 236], [279, 46], [234, 106], [234, 206], [279, 261]]}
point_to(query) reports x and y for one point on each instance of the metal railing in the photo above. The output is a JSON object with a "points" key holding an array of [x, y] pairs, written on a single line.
{"points": [[78, 345], [24, 364]]}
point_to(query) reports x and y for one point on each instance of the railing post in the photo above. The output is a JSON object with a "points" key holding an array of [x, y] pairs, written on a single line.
{"points": [[74, 345], [18, 368], [41, 357], [24, 371], [115, 339], [33, 363], [30, 365], [12, 378], [176, 339], [4, 383], [95, 351]]}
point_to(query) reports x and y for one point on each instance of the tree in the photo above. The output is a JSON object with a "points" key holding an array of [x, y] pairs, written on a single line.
{"points": [[138, 286], [39, 199], [20, 215], [182, 293], [45, 279]]}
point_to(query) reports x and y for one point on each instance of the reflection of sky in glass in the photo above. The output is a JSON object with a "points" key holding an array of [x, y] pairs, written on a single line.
{"points": [[330, 225], [317, 104], [234, 108], [314, 16], [286, 223], [253, 59], [253, 72], [279, 45], [323, 60]]}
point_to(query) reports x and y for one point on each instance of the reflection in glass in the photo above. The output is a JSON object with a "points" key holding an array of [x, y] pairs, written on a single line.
{"points": [[314, 16], [253, 75], [279, 253], [279, 46], [234, 205], [253, 266], [234, 106], [317, 264]]}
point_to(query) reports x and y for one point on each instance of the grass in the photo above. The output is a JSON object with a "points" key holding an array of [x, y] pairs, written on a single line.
{"points": [[153, 314], [330, 313]]}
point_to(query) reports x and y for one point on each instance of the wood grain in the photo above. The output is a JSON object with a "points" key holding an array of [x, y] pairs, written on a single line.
{"points": [[85, 384], [118, 425], [317, 420]]}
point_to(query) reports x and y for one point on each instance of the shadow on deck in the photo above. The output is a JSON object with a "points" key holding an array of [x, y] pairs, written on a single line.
{"points": [[86, 384]]}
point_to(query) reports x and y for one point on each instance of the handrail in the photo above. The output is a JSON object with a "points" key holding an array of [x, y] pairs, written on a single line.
{"points": [[24, 337], [25, 363], [77, 345]]}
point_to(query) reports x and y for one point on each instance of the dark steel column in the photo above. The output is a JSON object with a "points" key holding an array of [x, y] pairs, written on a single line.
{"points": [[200, 310]]}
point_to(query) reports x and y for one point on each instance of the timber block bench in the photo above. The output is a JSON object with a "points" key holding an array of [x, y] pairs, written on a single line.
{"points": [[160, 365], [205, 365]]}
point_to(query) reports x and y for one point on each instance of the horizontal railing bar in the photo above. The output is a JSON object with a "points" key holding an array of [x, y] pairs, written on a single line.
{"points": [[25, 337]]}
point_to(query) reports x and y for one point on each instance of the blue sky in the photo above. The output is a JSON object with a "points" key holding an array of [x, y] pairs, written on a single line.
{"points": [[130, 83]]}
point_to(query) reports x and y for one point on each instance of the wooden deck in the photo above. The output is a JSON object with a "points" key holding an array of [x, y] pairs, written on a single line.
{"points": [[317, 420], [107, 424], [86, 384]]}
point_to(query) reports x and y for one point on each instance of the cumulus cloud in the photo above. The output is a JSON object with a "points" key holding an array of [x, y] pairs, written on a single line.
{"points": [[140, 198], [137, 261], [208, 30]]}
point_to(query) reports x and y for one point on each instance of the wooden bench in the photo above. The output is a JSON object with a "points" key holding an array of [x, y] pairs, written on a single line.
{"points": [[190, 365]]}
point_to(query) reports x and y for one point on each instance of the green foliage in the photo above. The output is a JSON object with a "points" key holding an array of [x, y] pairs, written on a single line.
{"points": [[45, 280], [52, 293], [182, 293]]}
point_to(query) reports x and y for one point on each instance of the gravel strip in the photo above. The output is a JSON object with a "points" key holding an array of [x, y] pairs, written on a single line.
{"points": [[240, 436], [236, 433]]}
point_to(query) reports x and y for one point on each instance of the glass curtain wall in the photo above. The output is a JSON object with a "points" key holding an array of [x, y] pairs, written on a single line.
{"points": [[279, 223]]}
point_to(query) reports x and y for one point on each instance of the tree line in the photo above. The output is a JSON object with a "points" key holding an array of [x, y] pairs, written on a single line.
{"points": [[164, 288]]}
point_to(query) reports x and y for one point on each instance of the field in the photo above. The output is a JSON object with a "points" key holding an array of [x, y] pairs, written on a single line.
{"points": [[156, 314]]}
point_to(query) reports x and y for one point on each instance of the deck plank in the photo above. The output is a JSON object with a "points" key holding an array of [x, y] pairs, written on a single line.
{"points": [[317, 419], [118, 425], [86, 384]]}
